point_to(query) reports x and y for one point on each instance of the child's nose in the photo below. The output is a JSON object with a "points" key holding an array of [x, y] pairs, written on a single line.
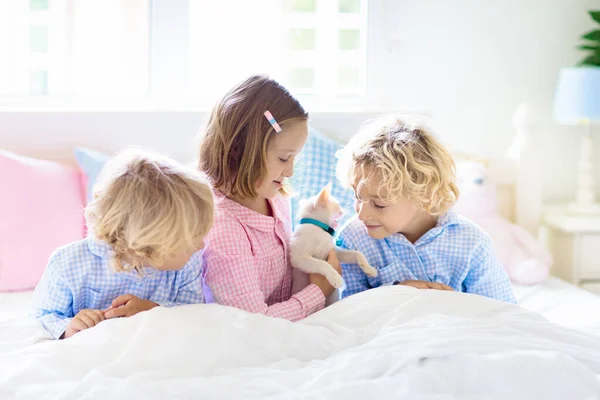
{"points": [[361, 211], [288, 171]]}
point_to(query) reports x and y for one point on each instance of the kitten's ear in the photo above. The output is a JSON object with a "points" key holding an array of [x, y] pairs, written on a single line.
{"points": [[323, 197]]}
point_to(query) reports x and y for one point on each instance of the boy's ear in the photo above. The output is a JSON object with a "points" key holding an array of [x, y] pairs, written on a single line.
{"points": [[323, 197]]}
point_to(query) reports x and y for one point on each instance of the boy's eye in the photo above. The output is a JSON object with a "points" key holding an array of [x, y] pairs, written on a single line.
{"points": [[378, 206], [284, 160]]}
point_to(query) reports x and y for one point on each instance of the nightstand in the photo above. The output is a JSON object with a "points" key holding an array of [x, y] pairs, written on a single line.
{"points": [[574, 242]]}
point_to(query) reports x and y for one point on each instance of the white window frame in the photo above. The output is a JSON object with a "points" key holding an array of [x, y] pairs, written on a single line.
{"points": [[326, 22], [169, 25], [169, 32]]}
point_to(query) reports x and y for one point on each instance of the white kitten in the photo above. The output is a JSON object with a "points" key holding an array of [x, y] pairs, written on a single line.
{"points": [[312, 241]]}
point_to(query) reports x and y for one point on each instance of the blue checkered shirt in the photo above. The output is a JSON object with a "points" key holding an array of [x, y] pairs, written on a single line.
{"points": [[456, 252], [78, 276]]}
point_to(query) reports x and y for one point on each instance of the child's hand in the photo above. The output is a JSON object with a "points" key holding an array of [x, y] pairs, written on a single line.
{"points": [[321, 281], [425, 285], [334, 262], [83, 320], [128, 305]]}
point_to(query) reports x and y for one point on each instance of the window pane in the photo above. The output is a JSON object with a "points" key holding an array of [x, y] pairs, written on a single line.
{"points": [[300, 5], [302, 39], [302, 78], [348, 77], [349, 39], [110, 48], [38, 39], [38, 82], [349, 6], [38, 5]]}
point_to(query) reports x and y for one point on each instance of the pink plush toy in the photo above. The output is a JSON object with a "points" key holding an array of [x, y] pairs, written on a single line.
{"points": [[523, 257]]}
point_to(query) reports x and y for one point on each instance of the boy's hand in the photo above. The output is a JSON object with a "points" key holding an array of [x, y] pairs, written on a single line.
{"points": [[128, 305], [425, 285], [83, 320]]}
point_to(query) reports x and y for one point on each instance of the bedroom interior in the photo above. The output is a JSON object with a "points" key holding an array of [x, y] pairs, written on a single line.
{"points": [[511, 91]]}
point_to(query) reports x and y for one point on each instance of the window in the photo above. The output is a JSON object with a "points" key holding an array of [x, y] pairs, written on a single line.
{"points": [[314, 47], [181, 49], [82, 47]]}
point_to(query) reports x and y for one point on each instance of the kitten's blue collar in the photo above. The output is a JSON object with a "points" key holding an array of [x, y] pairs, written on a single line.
{"points": [[321, 225]]}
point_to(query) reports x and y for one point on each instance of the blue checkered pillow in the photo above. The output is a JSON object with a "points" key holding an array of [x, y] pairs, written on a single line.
{"points": [[91, 163], [314, 169]]}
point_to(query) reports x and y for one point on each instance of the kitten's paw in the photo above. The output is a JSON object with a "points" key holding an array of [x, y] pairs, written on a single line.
{"points": [[335, 280], [367, 269], [370, 271]]}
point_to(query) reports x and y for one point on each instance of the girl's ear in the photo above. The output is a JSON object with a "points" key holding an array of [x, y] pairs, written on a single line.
{"points": [[323, 196]]}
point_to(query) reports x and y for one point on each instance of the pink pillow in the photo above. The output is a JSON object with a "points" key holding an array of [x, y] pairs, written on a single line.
{"points": [[41, 205]]}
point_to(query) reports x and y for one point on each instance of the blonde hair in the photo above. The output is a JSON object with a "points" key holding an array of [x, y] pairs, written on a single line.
{"points": [[233, 148], [148, 208], [411, 163]]}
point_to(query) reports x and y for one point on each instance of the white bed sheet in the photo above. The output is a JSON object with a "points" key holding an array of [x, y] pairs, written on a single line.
{"points": [[389, 343], [14, 305], [562, 303]]}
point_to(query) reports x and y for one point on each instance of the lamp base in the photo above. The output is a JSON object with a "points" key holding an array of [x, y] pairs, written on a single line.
{"points": [[585, 199]]}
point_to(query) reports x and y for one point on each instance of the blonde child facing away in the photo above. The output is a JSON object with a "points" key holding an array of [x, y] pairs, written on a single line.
{"points": [[403, 179], [147, 226], [249, 156]]}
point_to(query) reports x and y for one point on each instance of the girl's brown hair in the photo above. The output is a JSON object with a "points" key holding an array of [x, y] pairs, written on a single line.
{"points": [[233, 147]]}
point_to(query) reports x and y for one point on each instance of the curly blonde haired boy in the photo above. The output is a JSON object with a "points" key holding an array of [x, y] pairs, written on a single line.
{"points": [[147, 225], [404, 183]]}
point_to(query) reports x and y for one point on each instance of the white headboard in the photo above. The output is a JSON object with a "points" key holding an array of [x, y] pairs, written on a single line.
{"points": [[55, 135], [518, 174]]}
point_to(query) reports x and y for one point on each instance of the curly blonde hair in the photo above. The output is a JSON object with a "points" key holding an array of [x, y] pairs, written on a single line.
{"points": [[148, 208], [411, 163], [234, 143]]}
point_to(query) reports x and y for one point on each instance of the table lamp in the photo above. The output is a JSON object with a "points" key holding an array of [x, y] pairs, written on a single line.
{"points": [[577, 102]]}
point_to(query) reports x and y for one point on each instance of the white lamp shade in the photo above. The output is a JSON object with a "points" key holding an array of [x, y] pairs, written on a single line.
{"points": [[577, 97]]}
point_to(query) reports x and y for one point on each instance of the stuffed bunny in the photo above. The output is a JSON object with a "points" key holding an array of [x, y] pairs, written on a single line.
{"points": [[523, 257]]}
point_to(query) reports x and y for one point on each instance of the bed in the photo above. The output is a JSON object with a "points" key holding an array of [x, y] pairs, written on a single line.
{"points": [[392, 342]]}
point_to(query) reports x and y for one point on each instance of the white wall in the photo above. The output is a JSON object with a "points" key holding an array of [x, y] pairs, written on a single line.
{"points": [[54, 135], [469, 63]]}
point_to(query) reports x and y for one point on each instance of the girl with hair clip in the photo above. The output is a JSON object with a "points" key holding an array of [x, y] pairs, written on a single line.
{"points": [[248, 149]]}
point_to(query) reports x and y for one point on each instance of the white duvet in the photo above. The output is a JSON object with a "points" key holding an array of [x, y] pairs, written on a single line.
{"points": [[393, 342]]}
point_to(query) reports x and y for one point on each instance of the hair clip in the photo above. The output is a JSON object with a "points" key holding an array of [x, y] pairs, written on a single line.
{"points": [[272, 121]]}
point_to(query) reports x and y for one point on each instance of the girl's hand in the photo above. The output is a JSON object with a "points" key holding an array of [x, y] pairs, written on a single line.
{"points": [[128, 305], [322, 282], [334, 262], [425, 285], [84, 319]]}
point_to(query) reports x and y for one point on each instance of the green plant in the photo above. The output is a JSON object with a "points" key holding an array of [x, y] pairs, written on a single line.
{"points": [[591, 44]]}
